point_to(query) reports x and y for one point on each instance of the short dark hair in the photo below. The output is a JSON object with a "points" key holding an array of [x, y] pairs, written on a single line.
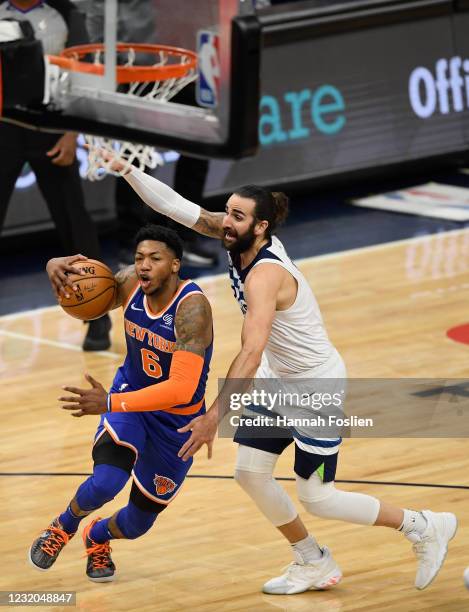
{"points": [[159, 233], [269, 206]]}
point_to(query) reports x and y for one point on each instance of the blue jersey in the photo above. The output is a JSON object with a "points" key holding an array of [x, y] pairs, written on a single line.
{"points": [[151, 341]]}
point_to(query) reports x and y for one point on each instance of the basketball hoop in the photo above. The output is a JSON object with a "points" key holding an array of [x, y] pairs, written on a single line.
{"points": [[172, 70]]}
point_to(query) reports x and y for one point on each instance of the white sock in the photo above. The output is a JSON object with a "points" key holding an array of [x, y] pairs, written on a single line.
{"points": [[413, 525], [307, 550]]}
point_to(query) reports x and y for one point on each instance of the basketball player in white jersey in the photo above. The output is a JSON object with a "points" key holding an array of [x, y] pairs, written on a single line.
{"points": [[283, 336]]}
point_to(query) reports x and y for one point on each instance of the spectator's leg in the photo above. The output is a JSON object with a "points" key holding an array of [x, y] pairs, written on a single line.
{"points": [[11, 163], [63, 193]]}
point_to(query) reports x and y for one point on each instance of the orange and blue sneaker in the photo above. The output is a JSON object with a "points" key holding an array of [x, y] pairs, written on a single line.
{"points": [[99, 565], [46, 548]]}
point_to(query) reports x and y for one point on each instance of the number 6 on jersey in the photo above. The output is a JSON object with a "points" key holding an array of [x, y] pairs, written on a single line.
{"points": [[150, 364]]}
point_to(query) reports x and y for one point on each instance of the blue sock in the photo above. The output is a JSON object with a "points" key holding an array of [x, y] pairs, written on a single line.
{"points": [[69, 521], [100, 533]]}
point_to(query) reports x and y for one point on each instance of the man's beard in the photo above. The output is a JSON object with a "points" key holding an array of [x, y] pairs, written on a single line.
{"points": [[243, 243]]}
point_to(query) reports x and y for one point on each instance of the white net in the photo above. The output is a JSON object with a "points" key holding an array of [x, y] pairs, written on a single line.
{"points": [[108, 156], [111, 156], [162, 89]]}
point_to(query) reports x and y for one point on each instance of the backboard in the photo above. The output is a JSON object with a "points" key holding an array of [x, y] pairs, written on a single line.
{"points": [[215, 116]]}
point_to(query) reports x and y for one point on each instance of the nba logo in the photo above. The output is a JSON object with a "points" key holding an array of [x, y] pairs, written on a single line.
{"points": [[208, 82]]}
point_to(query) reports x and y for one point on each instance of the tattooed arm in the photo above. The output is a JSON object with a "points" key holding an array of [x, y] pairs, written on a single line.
{"points": [[209, 224], [126, 280], [194, 334], [193, 325], [166, 201]]}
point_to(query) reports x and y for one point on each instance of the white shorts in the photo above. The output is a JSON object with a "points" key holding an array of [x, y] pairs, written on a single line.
{"points": [[295, 415]]}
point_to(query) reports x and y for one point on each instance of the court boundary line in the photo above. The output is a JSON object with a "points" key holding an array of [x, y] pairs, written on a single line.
{"points": [[209, 279], [323, 257], [282, 478], [56, 344]]}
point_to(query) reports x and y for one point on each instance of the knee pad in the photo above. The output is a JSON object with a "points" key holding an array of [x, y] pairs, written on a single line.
{"points": [[134, 522], [253, 473], [254, 460], [104, 484], [271, 499], [324, 500], [250, 481], [314, 490]]}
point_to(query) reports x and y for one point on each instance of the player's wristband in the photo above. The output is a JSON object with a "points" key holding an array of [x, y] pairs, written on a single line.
{"points": [[109, 403]]}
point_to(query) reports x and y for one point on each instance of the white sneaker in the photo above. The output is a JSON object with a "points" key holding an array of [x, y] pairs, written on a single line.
{"points": [[432, 546], [301, 577]]}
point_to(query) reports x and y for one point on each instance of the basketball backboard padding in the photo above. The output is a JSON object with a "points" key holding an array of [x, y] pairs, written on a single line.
{"points": [[229, 131]]}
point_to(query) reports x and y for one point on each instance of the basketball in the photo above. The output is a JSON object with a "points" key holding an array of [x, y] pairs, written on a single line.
{"points": [[95, 294]]}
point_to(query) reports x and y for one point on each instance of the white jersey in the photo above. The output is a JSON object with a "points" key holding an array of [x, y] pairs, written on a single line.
{"points": [[298, 342], [298, 346]]}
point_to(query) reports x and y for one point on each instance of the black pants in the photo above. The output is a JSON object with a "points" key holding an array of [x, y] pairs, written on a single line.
{"points": [[59, 185]]}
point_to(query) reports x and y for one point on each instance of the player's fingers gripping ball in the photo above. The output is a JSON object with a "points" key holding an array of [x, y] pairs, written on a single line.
{"points": [[95, 292]]}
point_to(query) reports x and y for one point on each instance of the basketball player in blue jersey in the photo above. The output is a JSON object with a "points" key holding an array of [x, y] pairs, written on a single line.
{"points": [[159, 389], [283, 336]]}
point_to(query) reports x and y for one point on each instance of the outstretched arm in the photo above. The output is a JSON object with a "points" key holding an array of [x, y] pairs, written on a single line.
{"points": [[209, 224], [168, 202], [163, 199]]}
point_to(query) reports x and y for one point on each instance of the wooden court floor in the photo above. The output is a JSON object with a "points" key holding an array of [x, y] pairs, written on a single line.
{"points": [[387, 309]]}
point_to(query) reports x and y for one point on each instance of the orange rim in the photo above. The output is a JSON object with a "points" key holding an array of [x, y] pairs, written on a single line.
{"points": [[70, 58]]}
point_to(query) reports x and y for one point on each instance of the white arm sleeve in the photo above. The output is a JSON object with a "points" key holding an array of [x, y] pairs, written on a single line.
{"points": [[162, 198]]}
